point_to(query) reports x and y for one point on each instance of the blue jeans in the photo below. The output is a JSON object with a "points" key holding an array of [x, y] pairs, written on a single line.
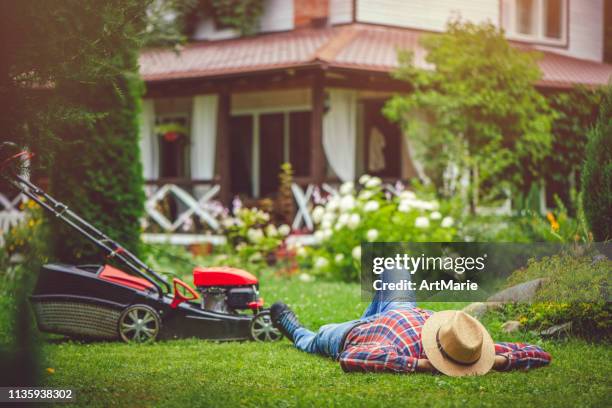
{"points": [[328, 340]]}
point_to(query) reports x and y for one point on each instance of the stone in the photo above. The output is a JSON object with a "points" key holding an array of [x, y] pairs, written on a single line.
{"points": [[523, 292], [557, 331], [511, 326], [476, 309]]}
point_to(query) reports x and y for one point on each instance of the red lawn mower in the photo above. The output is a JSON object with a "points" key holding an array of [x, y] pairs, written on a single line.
{"points": [[104, 302]]}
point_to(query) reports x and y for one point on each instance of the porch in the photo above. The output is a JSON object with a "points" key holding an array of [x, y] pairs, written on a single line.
{"points": [[207, 143]]}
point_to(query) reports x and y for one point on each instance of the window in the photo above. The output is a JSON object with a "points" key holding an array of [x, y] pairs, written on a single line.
{"points": [[260, 141], [173, 138], [536, 20]]}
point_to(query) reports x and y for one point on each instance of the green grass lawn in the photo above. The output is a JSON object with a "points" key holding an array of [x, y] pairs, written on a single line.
{"points": [[200, 373]]}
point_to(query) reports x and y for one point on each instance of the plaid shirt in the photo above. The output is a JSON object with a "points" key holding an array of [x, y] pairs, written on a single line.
{"points": [[392, 342]]}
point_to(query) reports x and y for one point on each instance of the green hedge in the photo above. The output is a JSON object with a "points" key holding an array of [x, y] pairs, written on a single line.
{"points": [[99, 174], [597, 173]]}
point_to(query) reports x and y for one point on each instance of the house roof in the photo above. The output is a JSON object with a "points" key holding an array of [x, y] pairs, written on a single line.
{"points": [[354, 46]]}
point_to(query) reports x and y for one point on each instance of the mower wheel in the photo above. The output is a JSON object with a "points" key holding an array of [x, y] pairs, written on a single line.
{"points": [[262, 328], [139, 324]]}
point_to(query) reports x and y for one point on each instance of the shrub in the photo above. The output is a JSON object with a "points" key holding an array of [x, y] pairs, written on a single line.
{"points": [[350, 218], [252, 236], [575, 291], [597, 173]]}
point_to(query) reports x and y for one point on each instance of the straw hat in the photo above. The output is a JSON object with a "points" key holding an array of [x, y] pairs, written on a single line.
{"points": [[456, 344]]}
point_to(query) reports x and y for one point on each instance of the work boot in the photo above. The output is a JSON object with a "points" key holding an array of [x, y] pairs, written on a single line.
{"points": [[284, 319]]}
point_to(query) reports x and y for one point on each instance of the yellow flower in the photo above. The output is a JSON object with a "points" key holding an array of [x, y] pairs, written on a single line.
{"points": [[553, 222], [51, 370]]}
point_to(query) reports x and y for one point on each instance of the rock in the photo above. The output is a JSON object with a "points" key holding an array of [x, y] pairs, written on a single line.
{"points": [[557, 331], [511, 326], [523, 292], [476, 309]]}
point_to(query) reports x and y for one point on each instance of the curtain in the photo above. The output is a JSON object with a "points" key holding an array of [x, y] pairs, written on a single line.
{"points": [[149, 149], [203, 139], [203, 136], [339, 133]]}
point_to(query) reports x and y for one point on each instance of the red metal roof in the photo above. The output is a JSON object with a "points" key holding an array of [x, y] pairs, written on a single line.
{"points": [[355, 46]]}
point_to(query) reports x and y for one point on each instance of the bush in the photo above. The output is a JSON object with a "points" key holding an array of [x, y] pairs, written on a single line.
{"points": [[575, 291], [597, 173], [347, 220], [251, 236], [98, 173]]}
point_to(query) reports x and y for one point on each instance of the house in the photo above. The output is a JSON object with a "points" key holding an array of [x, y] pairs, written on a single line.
{"points": [[220, 116]]}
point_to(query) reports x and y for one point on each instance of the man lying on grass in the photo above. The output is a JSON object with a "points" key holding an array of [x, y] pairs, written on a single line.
{"points": [[400, 337]]}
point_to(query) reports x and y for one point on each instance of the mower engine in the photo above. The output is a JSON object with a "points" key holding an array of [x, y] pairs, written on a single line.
{"points": [[227, 290]]}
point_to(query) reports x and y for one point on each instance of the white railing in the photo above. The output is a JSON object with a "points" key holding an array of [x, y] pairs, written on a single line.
{"points": [[181, 211], [10, 213]]}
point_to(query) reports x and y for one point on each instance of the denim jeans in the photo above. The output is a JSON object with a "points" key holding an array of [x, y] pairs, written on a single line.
{"points": [[327, 341]]}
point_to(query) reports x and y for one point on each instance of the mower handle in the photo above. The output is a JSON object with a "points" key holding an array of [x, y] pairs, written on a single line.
{"points": [[60, 210]]}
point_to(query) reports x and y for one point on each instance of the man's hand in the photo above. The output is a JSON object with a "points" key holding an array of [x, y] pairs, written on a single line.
{"points": [[424, 366], [501, 362]]}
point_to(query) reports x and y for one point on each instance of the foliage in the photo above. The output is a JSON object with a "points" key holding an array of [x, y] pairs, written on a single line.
{"points": [[352, 217], [172, 22], [597, 173], [252, 236], [477, 109], [574, 113], [284, 202], [575, 291], [97, 170]]}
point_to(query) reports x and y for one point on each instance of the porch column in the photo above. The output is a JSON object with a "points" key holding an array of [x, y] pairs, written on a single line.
{"points": [[223, 147], [317, 158]]}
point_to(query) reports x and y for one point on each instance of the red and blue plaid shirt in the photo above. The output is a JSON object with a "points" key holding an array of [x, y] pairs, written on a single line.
{"points": [[392, 342]]}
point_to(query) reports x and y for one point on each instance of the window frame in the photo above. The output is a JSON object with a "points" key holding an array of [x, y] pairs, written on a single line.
{"points": [[509, 22]]}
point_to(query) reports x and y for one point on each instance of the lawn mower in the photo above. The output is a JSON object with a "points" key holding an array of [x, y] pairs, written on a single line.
{"points": [[103, 302]]}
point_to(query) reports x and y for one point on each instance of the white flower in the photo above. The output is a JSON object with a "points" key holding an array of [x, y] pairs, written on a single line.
{"points": [[373, 182], [407, 195], [347, 203], [327, 234], [284, 230], [346, 188], [424, 205], [404, 206], [318, 235], [271, 230], [447, 222], [317, 214], [339, 258], [354, 221], [326, 224], [371, 206], [301, 252], [304, 277], [342, 220], [365, 194], [228, 222], [333, 204], [356, 252], [255, 235], [321, 263], [372, 234], [328, 217], [421, 222], [435, 215], [364, 179]]}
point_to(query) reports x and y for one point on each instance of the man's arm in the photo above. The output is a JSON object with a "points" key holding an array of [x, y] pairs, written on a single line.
{"points": [[377, 358], [512, 356]]}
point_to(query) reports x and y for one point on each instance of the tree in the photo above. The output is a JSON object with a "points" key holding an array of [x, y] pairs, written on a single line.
{"points": [[477, 110], [597, 173], [70, 80], [575, 111]]}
